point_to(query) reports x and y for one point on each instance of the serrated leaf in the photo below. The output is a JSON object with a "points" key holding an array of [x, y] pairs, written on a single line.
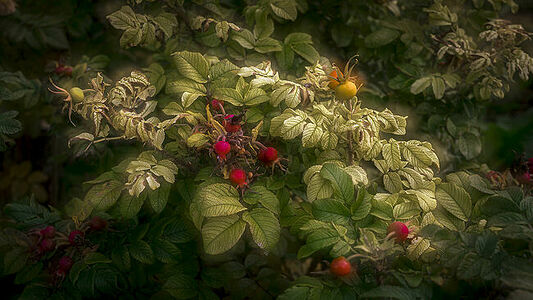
{"points": [[455, 200], [362, 205], [159, 197], [420, 85], [219, 199], [264, 227], [292, 127], [284, 9], [142, 252], [469, 145], [221, 233], [192, 65], [318, 188], [330, 210], [181, 286], [105, 195], [260, 194], [340, 181], [130, 205], [381, 37], [406, 210], [311, 135]]}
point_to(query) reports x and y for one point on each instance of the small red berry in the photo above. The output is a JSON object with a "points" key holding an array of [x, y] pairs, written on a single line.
{"points": [[268, 156], [238, 177], [222, 148], [97, 223], [530, 165], [74, 236], [400, 231], [48, 232], [46, 245], [216, 104], [340, 266], [59, 69], [65, 263]]}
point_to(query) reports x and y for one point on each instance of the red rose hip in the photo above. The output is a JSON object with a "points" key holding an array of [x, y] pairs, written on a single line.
{"points": [[216, 104], [48, 232], [74, 236], [400, 231], [65, 263], [268, 156], [46, 245], [340, 266], [238, 177], [222, 148]]}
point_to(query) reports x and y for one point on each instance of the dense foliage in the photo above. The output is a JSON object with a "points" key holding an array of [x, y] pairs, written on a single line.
{"points": [[263, 149]]}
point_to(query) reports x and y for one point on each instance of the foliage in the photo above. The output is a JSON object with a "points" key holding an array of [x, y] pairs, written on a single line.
{"points": [[158, 214]]}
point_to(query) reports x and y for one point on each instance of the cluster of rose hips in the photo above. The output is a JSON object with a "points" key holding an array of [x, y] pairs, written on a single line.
{"points": [[235, 140], [341, 266], [49, 239]]}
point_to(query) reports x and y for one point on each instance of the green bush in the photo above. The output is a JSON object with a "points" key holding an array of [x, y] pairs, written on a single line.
{"points": [[263, 149]]}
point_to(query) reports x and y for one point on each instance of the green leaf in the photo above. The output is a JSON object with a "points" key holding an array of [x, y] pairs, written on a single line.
{"points": [[420, 85], [311, 135], [130, 205], [392, 182], [165, 251], [181, 286], [361, 206], [381, 37], [306, 51], [219, 200], [438, 86], [446, 219], [255, 96], [244, 37], [105, 195], [330, 210], [123, 19], [187, 99], [15, 260], [229, 95], [28, 273], [292, 127], [381, 209], [389, 291], [340, 181], [267, 44], [96, 258], [192, 65], [391, 153], [264, 227], [416, 154], [285, 9], [260, 194], [454, 199], [318, 188], [406, 210], [142, 252], [221, 233], [159, 197], [8, 124], [185, 85], [469, 145], [318, 239]]}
